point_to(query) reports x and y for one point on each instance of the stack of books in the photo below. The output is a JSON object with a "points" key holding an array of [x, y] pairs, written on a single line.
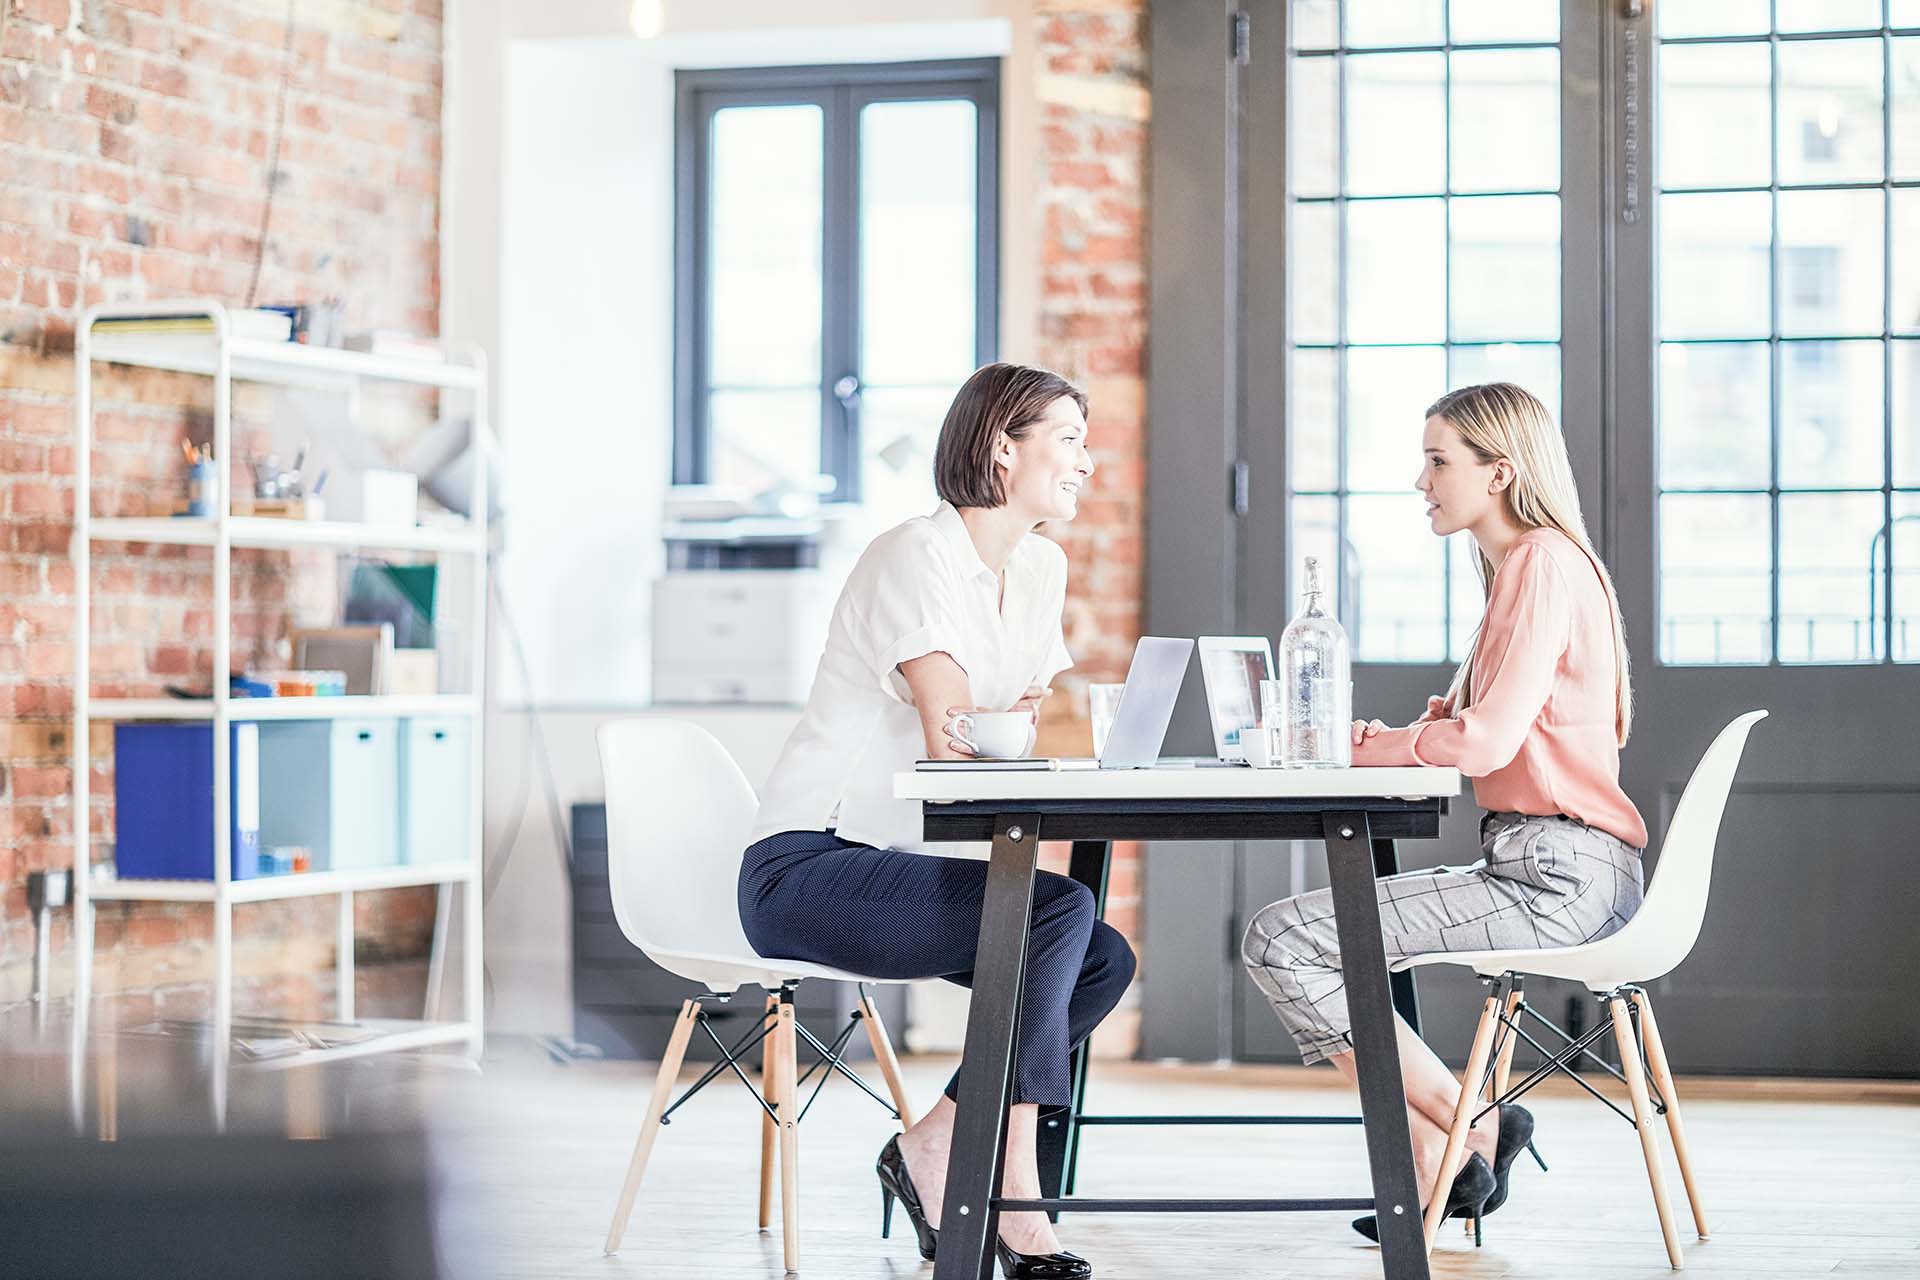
{"points": [[258, 325]]}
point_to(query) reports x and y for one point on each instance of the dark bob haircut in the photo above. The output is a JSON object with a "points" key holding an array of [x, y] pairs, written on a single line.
{"points": [[999, 399]]}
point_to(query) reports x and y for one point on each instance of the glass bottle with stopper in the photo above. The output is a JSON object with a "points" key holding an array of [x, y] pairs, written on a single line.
{"points": [[1318, 679]]}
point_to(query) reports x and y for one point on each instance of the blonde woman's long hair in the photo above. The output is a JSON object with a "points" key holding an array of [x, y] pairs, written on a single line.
{"points": [[1500, 420]]}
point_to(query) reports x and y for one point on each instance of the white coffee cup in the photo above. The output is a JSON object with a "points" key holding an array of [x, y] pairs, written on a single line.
{"points": [[1001, 735]]}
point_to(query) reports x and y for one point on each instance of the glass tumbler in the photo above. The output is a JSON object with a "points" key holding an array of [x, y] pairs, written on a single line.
{"points": [[1103, 700]]}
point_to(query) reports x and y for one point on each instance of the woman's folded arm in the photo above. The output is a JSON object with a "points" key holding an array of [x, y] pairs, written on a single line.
{"points": [[1529, 620]]}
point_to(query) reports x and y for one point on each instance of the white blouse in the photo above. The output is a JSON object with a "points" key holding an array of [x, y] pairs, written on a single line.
{"points": [[920, 588]]}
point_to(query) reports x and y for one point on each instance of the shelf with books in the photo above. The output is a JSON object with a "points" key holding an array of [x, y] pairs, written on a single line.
{"points": [[204, 337], [351, 707], [289, 363], [299, 884], [263, 531]]}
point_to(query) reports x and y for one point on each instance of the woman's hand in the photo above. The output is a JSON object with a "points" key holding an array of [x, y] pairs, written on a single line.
{"points": [[955, 743], [1031, 700], [1364, 729]]}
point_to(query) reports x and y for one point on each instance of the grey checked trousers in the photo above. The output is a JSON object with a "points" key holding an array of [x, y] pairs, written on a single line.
{"points": [[1543, 882]]}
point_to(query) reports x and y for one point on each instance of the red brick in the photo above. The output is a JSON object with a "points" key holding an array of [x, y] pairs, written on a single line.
{"points": [[52, 12], [39, 781]]}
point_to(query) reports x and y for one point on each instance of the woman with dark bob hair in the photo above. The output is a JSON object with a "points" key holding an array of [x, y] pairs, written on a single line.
{"points": [[954, 611]]}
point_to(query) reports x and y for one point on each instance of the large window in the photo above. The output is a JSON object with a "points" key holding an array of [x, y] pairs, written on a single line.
{"points": [[836, 271], [1425, 227], [1788, 314]]}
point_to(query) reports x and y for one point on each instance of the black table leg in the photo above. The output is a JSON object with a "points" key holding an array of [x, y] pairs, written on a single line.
{"points": [[1406, 1000], [1060, 1129], [969, 1221], [1383, 1100]]}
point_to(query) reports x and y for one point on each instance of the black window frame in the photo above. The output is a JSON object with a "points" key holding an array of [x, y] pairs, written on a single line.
{"points": [[841, 91]]}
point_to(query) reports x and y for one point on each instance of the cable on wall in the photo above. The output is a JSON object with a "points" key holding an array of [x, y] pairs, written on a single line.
{"points": [[273, 154]]}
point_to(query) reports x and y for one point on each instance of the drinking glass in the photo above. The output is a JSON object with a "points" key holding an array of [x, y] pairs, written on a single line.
{"points": [[1102, 701]]}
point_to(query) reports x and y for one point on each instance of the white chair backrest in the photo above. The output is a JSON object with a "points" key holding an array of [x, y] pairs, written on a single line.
{"points": [[1668, 923], [678, 814]]}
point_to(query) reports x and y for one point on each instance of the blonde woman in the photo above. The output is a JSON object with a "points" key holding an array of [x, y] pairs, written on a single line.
{"points": [[1536, 717]]}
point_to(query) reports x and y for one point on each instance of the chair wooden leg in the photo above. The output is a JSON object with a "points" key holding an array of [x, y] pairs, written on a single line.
{"points": [[1663, 1078], [889, 1064], [767, 1130], [789, 1135], [1462, 1116], [1502, 1067], [650, 1127], [1643, 1122]]}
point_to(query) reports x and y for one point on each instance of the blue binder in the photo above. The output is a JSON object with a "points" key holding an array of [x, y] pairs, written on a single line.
{"points": [[163, 801]]}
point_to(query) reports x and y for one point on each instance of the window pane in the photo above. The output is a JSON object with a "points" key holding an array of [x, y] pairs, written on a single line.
{"points": [[1830, 111], [1488, 21], [1906, 577], [1315, 261], [1506, 119], [898, 428], [1713, 17], [1371, 26], [1399, 584], [1315, 409], [1315, 24], [1831, 419], [1713, 265], [1827, 15], [1904, 13], [1906, 102], [1388, 390], [1314, 129], [1397, 286], [1506, 267], [918, 235], [1906, 413], [1711, 95], [1715, 587], [1396, 124], [1534, 366], [1466, 597], [1826, 542], [764, 248], [1832, 269], [1714, 420], [764, 438], [1906, 259]]}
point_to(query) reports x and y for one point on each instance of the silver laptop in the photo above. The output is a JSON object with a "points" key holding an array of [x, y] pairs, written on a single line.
{"points": [[1139, 722]]}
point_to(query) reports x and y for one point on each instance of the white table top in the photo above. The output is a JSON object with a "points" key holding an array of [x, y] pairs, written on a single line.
{"points": [[1175, 783]]}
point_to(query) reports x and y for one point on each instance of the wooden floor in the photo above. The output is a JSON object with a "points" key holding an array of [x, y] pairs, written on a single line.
{"points": [[1802, 1181]]}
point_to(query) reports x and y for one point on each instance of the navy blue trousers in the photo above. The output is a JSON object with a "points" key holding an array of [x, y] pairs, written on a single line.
{"points": [[809, 895]]}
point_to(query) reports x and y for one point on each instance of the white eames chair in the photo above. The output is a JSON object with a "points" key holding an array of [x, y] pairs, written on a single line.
{"points": [[679, 812], [1648, 947]]}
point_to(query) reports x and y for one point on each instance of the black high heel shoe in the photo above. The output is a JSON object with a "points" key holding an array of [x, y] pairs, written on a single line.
{"points": [[894, 1182], [1041, 1266], [1467, 1198], [1516, 1135]]}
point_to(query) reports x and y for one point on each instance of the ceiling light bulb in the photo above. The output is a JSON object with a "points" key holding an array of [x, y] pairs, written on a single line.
{"points": [[647, 17]]}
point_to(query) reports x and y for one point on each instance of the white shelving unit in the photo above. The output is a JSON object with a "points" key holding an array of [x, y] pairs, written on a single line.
{"points": [[226, 360]]}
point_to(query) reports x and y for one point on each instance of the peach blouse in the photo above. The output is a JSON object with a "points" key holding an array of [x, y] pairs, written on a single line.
{"points": [[1537, 736]]}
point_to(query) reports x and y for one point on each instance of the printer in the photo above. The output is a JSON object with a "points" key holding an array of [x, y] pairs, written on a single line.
{"points": [[740, 615]]}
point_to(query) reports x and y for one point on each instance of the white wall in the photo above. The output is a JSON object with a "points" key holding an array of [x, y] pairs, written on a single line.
{"points": [[557, 248]]}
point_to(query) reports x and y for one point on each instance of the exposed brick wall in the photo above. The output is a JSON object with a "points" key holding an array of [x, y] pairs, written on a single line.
{"points": [[1094, 107], [135, 143]]}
